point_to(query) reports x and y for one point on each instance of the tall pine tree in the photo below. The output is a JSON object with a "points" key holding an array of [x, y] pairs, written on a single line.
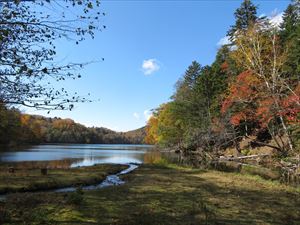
{"points": [[291, 20], [245, 16], [290, 37]]}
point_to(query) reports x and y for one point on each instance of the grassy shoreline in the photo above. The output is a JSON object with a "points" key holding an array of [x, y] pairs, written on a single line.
{"points": [[28, 178], [164, 194]]}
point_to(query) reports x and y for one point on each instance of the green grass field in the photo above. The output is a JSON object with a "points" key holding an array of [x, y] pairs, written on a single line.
{"points": [[163, 194]]}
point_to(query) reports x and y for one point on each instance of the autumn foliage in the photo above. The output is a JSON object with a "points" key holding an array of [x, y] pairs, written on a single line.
{"points": [[251, 89], [151, 131]]}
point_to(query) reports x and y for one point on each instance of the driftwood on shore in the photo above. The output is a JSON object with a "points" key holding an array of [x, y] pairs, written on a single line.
{"points": [[286, 172], [232, 158]]}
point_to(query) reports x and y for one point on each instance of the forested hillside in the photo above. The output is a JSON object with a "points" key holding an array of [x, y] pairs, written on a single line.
{"points": [[18, 128], [250, 92]]}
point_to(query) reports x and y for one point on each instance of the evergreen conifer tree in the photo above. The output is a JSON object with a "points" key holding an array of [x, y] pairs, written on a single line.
{"points": [[245, 16]]}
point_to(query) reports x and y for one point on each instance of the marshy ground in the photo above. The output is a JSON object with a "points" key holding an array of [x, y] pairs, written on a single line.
{"points": [[28, 177], [163, 194]]}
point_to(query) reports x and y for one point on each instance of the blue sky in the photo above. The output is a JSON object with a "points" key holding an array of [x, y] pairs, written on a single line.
{"points": [[147, 46]]}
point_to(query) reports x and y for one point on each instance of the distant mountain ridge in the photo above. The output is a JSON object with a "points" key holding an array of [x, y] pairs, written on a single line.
{"points": [[137, 135], [31, 129]]}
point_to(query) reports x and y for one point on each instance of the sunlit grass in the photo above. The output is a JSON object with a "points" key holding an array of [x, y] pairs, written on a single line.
{"points": [[163, 193]]}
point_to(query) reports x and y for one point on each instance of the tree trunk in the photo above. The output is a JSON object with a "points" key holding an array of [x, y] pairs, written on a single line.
{"points": [[286, 134]]}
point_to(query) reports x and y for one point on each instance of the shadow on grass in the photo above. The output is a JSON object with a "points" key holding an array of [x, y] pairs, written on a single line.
{"points": [[164, 195], [159, 195]]}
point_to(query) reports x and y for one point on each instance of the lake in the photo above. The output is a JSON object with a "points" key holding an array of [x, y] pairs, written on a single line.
{"points": [[77, 154]]}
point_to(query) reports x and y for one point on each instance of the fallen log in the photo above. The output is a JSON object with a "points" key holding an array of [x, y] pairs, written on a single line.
{"points": [[243, 157], [265, 144]]}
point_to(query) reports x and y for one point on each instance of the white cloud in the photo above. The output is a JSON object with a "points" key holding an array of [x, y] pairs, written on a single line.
{"points": [[276, 19], [262, 15], [147, 114], [224, 41], [136, 115], [150, 66]]}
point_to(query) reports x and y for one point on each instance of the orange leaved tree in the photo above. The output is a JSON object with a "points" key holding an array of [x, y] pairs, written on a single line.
{"points": [[262, 93]]}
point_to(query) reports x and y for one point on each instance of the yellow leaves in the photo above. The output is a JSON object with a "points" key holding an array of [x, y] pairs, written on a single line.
{"points": [[258, 50], [152, 131], [25, 119], [164, 127], [63, 123]]}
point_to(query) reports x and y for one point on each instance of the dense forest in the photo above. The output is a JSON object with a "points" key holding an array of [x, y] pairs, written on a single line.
{"points": [[250, 92], [18, 128]]}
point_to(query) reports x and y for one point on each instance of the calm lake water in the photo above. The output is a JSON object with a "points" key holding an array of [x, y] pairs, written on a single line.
{"points": [[77, 154]]}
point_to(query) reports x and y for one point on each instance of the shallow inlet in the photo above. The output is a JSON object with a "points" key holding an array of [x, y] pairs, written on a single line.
{"points": [[111, 180]]}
